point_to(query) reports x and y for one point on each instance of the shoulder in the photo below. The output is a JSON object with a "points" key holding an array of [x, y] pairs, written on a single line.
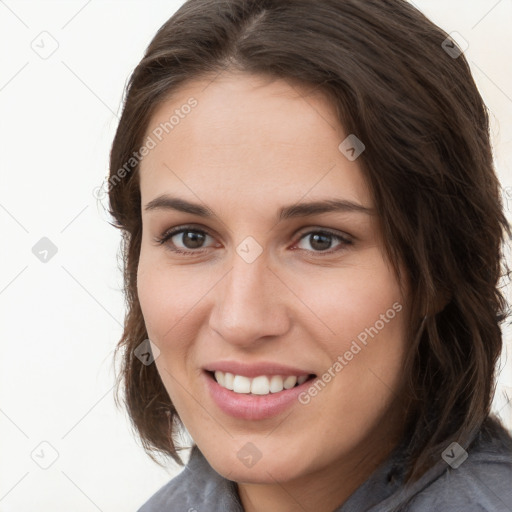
{"points": [[479, 480], [198, 485], [169, 493]]}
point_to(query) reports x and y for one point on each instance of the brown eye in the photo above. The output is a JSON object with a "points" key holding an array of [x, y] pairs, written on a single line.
{"points": [[186, 240], [191, 239], [322, 241]]}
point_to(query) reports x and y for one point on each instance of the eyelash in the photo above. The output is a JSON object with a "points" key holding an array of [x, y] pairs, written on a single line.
{"points": [[184, 229]]}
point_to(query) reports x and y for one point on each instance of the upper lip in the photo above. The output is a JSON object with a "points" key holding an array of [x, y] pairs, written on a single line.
{"points": [[255, 369]]}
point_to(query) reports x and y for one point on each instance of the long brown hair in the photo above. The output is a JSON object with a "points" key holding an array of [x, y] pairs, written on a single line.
{"points": [[428, 162]]}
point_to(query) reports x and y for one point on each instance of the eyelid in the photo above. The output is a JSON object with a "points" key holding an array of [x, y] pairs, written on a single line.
{"points": [[318, 229], [169, 233]]}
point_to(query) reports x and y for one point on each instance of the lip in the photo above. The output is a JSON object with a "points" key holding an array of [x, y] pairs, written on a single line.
{"points": [[256, 369], [250, 407]]}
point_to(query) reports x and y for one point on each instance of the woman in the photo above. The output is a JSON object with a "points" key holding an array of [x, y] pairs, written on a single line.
{"points": [[313, 233]]}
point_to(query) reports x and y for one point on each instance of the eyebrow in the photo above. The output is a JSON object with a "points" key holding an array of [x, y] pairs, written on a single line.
{"points": [[166, 202]]}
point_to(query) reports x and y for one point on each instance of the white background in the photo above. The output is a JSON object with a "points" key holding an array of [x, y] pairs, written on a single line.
{"points": [[61, 320]]}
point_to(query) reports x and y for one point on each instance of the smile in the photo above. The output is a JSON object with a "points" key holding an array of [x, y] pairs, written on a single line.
{"points": [[260, 385], [271, 396]]}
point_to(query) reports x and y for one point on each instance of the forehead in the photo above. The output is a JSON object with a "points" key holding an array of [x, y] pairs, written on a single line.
{"points": [[250, 133]]}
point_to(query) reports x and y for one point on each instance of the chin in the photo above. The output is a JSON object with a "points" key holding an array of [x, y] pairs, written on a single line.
{"points": [[266, 474], [264, 471]]}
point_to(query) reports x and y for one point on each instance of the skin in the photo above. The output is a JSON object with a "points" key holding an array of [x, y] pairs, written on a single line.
{"points": [[250, 147]]}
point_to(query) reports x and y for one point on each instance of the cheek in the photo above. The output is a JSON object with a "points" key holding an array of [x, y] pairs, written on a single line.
{"points": [[365, 313], [162, 298], [170, 300], [371, 340], [150, 291], [167, 306], [353, 299]]}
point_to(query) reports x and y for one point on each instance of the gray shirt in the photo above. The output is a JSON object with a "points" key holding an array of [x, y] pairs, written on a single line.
{"points": [[481, 483]]}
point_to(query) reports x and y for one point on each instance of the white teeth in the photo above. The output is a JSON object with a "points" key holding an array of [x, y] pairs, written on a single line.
{"points": [[302, 379], [289, 382], [228, 381], [220, 377], [261, 385], [276, 384], [241, 384]]}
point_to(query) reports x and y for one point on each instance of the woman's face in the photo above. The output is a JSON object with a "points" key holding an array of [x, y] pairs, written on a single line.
{"points": [[268, 285]]}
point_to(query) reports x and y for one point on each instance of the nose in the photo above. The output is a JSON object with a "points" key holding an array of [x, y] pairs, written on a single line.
{"points": [[249, 305]]}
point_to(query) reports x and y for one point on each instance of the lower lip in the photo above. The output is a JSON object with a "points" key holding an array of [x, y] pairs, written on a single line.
{"points": [[253, 407]]}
